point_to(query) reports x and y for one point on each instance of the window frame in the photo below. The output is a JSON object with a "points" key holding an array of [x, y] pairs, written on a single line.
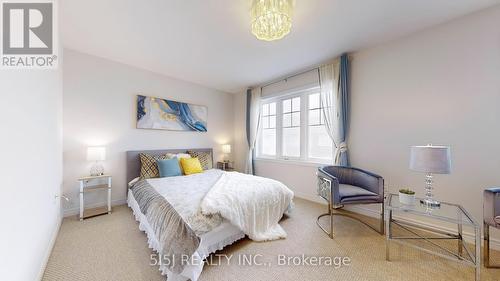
{"points": [[301, 138], [259, 136], [304, 130]]}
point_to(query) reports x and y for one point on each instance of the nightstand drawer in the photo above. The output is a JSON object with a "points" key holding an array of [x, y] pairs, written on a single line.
{"points": [[95, 187]]}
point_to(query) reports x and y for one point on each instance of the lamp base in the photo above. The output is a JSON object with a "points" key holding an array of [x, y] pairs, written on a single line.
{"points": [[97, 170], [430, 203]]}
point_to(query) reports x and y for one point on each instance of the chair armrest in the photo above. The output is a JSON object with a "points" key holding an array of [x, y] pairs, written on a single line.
{"points": [[325, 178], [369, 181], [491, 206], [366, 172], [357, 177]]}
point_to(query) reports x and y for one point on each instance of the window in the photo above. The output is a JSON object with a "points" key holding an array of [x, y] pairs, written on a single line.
{"points": [[320, 145], [269, 129], [293, 128]]}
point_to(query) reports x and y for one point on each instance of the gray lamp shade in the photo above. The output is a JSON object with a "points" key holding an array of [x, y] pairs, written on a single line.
{"points": [[430, 159]]}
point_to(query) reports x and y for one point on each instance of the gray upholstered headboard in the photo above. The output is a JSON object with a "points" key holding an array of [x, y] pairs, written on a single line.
{"points": [[134, 163]]}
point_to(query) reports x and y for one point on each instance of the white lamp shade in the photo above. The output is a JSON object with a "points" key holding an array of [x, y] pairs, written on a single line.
{"points": [[226, 148], [96, 153], [430, 159]]}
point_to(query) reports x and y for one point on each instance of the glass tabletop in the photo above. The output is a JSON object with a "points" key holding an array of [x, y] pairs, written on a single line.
{"points": [[446, 212]]}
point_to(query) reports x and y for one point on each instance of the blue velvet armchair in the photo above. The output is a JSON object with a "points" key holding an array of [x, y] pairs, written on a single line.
{"points": [[341, 185]]}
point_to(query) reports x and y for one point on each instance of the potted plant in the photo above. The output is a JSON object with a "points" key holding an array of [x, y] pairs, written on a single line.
{"points": [[407, 196]]}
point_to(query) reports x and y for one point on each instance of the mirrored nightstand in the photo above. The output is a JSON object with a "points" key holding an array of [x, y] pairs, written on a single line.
{"points": [[92, 184], [226, 166]]}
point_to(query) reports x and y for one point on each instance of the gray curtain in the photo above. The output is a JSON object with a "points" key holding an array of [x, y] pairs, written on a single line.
{"points": [[334, 80], [252, 126], [344, 107]]}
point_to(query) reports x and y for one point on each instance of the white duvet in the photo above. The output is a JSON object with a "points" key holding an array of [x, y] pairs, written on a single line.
{"points": [[253, 204], [185, 194]]}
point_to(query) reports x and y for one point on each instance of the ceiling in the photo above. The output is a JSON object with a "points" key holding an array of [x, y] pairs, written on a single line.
{"points": [[208, 42]]}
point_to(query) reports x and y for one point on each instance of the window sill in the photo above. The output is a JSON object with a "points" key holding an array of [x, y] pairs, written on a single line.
{"points": [[292, 162]]}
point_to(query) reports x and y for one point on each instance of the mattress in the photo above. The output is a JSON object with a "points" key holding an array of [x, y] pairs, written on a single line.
{"points": [[217, 238]]}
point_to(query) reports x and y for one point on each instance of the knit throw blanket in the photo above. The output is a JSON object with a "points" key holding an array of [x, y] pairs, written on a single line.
{"points": [[176, 238]]}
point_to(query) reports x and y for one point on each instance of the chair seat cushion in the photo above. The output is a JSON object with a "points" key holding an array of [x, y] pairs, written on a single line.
{"points": [[349, 191], [361, 200]]}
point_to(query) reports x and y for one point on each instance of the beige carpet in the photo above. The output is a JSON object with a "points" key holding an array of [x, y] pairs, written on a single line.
{"points": [[111, 247]]}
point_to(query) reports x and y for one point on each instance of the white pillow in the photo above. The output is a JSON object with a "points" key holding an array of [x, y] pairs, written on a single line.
{"points": [[132, 182], [182, 155], [170, 155]]}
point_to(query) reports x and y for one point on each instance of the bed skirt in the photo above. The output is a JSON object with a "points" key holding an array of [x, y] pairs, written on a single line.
{"points": [[218, 238]]}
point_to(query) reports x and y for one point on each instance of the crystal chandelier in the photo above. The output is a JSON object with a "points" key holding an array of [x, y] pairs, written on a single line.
{"points": [[271, 19]]}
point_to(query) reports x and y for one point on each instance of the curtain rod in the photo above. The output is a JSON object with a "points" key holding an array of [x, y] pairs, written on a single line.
{"points": [[288, 77], [296, 74]]}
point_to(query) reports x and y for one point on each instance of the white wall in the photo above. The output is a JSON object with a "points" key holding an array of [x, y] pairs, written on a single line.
{"points": [[31, 170], [441, 85], [100, 109], [301, 178]]}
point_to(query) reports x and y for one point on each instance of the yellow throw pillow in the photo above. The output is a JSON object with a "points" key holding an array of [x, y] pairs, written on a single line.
{"points": [[191, 166]]}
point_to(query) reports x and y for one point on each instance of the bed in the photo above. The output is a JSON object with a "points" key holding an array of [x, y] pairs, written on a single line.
{"points": [[192, 202]]}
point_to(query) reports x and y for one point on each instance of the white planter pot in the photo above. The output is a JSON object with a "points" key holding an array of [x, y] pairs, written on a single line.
{"points": [[406, 199]]}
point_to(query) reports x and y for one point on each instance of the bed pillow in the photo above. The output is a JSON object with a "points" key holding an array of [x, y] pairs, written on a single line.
{"points": [[133, 182], [191, 166], [170, 155], [204, 157], [169, 168], [182, 155], [179, 156], [149, 167]]}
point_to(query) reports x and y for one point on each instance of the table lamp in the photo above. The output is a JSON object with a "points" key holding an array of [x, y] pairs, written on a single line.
{"points": [[226, 149], [96, 154], [430, 159]]}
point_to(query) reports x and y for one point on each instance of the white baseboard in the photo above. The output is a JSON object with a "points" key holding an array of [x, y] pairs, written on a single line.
{"points": [[468, 236], [76, 211], [49, 249]]}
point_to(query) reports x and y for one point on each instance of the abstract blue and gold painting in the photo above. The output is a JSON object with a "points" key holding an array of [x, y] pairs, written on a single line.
{"points": [[162, 114]]}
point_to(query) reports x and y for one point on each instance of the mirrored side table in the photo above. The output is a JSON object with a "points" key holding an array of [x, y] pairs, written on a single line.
{"points": [[413, 232], [225, 165], [92, 184]]}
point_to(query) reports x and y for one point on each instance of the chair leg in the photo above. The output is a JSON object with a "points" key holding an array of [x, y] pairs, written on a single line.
{"points": [[331, 221], [330, 213], [382, 221], [487, 247]]}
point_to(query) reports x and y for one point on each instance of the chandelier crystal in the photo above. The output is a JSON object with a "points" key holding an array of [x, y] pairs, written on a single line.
{"points": [[271, 19]]}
